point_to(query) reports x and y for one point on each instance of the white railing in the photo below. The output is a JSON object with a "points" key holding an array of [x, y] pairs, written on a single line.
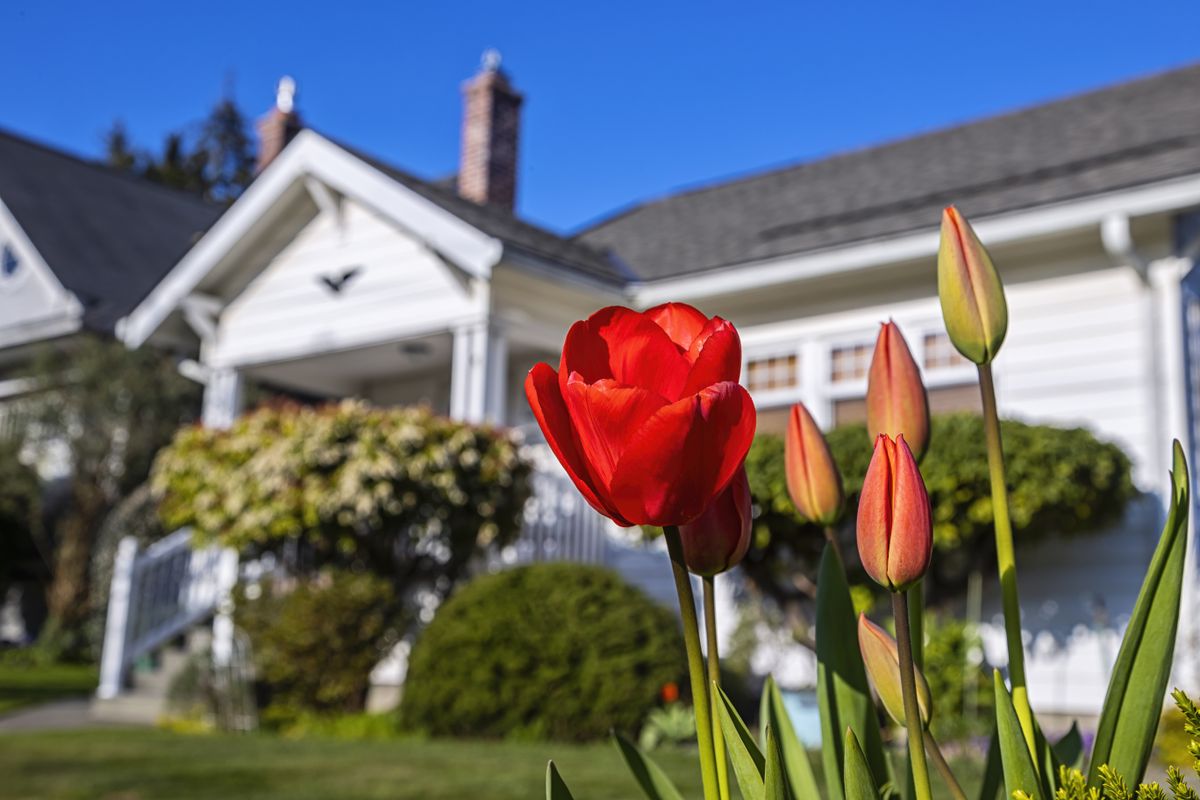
{"points": [[559, 524], [156, 595]]}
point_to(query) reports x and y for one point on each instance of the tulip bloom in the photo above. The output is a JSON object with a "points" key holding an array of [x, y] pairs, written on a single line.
{"points": [[813, 479], [882, 660], [645, 412], [718, 539], [969, 287], [896, 399], [895, 529]]}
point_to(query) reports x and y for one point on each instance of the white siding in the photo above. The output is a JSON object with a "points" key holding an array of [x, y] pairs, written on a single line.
{"points": [[402, 289], [33, 304]]}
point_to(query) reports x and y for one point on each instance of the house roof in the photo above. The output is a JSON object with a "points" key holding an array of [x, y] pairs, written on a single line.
{"points": [[1134, 133], [575, 255], [107, 236]]}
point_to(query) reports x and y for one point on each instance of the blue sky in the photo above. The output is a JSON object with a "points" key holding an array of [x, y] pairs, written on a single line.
{"points": [[626, 101]]}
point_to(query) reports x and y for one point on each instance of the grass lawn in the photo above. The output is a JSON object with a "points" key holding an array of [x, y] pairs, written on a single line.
{"points": [[27, 685], [136, 764]]}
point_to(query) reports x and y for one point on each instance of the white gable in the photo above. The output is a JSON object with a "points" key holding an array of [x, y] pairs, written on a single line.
{"points": [[33, 304], [391, 286]]}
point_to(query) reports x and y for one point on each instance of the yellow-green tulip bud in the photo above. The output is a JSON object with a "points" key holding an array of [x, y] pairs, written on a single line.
{"points": [[882, 660], [973, 305]]}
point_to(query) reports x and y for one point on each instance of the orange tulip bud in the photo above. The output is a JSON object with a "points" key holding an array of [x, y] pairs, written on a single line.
{"points": [[973, 304], [720, 537], [882, 660], [895, 530], [813, 479], [896, 399]]}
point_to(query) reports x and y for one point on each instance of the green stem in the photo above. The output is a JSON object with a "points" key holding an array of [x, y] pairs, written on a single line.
{"points": [[916, 622], [912, 711], [701, 704], [943, 767], [1005, 559], [714, 680]]}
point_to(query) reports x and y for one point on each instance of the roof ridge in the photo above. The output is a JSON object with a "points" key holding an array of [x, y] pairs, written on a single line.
{"points": [[760, 173], [105, 169]]}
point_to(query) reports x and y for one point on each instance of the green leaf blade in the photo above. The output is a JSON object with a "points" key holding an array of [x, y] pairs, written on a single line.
{"points": [[802, 781], [1020, 774], [1133, 703], [749, 764], [556, 789], [650, 777], [860, 784]]}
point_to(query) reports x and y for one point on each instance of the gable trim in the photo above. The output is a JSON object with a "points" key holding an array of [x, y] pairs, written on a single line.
{"points": [[308, 157], [65, 312]]}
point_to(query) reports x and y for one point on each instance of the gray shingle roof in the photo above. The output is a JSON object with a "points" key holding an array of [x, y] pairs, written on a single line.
{"points": [[574, 255], [1134, 133], [108, 236]]}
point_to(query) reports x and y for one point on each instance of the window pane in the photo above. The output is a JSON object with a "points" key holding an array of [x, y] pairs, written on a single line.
{"points": [[767, 373]]}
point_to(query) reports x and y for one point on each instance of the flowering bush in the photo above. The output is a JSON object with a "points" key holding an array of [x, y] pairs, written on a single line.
{"points": [[401, 491]]}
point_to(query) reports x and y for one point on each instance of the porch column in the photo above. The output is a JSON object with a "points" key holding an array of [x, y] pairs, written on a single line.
{"points": [[222, 398], [468, 372], [496, 401]]}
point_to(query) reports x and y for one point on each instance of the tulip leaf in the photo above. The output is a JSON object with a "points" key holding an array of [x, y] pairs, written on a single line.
{"points": [[649, 776], [842, 693], [800, 777], [555, 788], [860, 784], [748, 761], [993, 770], [1138, 685], [1020, 774], [1069, 749], [774, 779]]}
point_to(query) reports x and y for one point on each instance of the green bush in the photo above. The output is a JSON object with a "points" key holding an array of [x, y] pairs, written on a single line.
{"points": [[21, 539], [549, 651], [1061, 481], [963, 696], [314, 644]]}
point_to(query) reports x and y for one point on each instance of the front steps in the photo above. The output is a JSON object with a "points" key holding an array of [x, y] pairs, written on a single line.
{"points": [[144, 701]]}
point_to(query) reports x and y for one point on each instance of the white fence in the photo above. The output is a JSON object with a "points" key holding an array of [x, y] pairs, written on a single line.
{"points": [[559, 524], [156, 595]]}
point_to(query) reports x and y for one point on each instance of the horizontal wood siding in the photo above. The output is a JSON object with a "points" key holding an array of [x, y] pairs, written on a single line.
{"points": [[401, 288]]}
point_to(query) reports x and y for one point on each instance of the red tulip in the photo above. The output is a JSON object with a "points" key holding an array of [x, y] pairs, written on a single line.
{"points": [[645, 412], [813, 479], [895, 530], [718, 539], [896, 399]]}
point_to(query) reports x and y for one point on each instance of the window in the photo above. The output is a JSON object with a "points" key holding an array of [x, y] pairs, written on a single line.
{"points": [[768, 373], [940, 352], [849, 363]]}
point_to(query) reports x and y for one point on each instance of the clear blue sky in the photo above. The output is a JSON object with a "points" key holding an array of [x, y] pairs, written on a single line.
{"points": [[626, 101]]}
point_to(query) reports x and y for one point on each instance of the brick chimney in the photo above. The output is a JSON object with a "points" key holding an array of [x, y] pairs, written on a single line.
{"points": [[279, 126], [487, 170]]}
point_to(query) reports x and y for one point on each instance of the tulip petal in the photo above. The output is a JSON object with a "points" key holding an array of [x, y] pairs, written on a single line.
{"points": [[715, 355], [681, 322], [684, 455], [621, 344], [813, 479], [875, 512], [719, 538], [972, 297], [606, 415], [550, 411], [896, 399], [911, 542]]}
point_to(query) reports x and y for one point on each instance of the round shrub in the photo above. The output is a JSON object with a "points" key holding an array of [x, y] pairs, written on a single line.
{"points": [[548, 651]]}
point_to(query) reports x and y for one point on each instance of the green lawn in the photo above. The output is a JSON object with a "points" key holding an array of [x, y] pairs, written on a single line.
{"points": [[136, 764], [27, 685]]}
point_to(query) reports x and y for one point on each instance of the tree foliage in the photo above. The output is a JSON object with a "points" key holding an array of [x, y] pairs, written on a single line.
{"points": [[213, 158], [556, 651], [401, 492], [1061, 482], [104, 411]]}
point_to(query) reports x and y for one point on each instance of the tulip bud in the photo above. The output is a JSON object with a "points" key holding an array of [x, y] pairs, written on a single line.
{"points": [[973, 305], [895, 530], [813, 479], [719, 538], [896, 399], [882, 660]]}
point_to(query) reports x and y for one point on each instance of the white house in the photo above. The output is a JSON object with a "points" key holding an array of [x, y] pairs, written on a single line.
{"points": [[336, 275]]}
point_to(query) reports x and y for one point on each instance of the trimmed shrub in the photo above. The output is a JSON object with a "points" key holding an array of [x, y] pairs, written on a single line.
{"points": [[314, 646], [548, 651]]}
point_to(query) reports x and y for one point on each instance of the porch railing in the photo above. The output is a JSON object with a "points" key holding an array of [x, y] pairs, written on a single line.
{"points": [[559, 524], [156, 595]]}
